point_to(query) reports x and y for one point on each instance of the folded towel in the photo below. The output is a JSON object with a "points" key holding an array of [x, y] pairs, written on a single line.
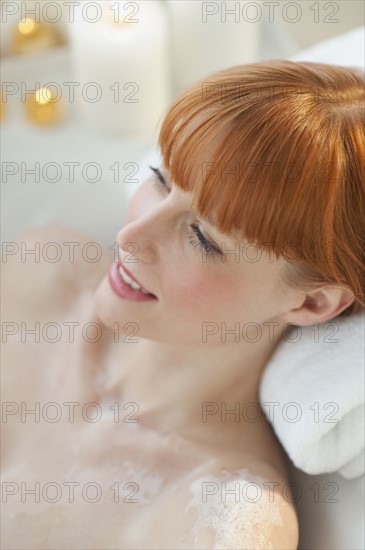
{"points": [[312, 392]]}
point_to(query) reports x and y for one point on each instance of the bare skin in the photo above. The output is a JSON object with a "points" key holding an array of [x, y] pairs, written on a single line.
{"points": [[161, 474], [160, 464]]}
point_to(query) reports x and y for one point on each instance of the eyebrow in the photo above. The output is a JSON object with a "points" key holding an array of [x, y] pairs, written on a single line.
{"points": [[166, 180]]}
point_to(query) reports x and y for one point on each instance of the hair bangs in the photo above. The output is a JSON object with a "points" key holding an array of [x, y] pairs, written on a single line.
{"points": [[272, 152]]}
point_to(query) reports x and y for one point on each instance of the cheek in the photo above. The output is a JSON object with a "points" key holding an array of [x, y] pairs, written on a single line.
{"points": [[202, 293], [195, 288]]}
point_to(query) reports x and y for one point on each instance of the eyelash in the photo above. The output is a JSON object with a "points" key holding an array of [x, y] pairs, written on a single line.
{"points": [[198, 240]]}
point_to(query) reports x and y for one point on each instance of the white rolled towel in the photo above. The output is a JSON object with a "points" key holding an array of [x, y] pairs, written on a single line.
{"points": [[313, 393]]}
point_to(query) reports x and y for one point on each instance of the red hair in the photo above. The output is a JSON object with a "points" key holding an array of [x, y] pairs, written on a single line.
{"points": [[276, 151]]}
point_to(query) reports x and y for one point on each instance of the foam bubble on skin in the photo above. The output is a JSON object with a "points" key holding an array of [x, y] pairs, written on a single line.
{"points": [[233, 525]]}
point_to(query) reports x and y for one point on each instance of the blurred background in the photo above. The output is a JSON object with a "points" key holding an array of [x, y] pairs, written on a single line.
{"points": [[84, 87]]}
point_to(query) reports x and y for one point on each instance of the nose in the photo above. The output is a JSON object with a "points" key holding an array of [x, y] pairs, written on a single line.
{"points": [[144, 237]]}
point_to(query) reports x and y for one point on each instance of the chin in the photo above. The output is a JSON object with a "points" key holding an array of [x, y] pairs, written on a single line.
{"points": [[114, 313], [105, 304]]}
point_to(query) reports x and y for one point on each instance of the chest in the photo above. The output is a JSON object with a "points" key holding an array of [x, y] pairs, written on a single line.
{"points": [[78, 483], [81, 472]]}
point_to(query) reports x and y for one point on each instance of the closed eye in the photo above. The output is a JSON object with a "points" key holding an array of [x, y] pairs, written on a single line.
{"points": [[197, 239], [159, 177]]}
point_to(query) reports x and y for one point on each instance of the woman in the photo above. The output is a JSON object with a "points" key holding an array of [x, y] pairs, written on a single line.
{"points": [[148, 431]]}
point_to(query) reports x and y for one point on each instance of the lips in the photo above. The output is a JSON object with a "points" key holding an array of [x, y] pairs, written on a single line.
{"points": [[123, 288], [121, 264]]}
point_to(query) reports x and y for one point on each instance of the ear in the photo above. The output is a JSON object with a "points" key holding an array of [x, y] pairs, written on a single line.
{"points": [[320, 305]]}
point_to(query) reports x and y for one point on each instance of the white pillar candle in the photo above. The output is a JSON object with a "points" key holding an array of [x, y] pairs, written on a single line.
{"points": [[210, 36], [124, 53]]}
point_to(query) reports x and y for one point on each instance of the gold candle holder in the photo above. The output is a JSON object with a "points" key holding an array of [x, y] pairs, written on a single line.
{"points": [[43, 108], [33, 37]]}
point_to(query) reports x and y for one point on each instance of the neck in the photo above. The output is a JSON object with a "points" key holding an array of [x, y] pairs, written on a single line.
{"points": [[175, 386]]}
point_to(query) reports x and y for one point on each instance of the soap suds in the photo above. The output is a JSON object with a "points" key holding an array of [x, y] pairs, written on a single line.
{"points": [[236, 516]]}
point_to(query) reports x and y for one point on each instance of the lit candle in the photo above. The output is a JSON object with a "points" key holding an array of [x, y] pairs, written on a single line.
{"points": [[43, 107], [209, 36], [121, 62], [33, 37], [30, 27], [10, 17]]}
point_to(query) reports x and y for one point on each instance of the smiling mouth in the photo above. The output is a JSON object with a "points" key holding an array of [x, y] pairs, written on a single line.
{"points": [[131, 282]]}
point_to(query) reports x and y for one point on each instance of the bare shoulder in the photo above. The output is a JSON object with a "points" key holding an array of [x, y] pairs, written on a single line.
{"points": [[279, 527], [238, 511], [244, 501], [49, 265]]}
